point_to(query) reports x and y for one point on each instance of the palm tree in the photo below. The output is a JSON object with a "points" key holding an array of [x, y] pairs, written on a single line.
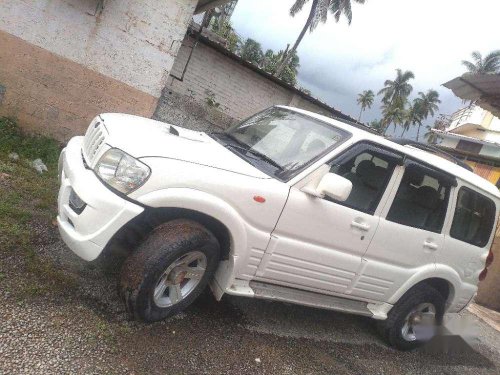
{"points": [[489, 65], [396, 92], [428, 103], [365, 100], [413, 116], [430, 136], [392, 114], [440, 124], [319, 12]]}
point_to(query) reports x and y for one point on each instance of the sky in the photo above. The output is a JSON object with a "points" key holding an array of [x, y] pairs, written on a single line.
{"points": [[338, 61]]}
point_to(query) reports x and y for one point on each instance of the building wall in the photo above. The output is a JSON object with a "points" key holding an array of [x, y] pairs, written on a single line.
{"points": [[233, 89], [488, 293], [61, 62]]}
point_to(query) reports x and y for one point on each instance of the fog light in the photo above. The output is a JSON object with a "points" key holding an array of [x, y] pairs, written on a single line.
{"points": [[76, 203]]}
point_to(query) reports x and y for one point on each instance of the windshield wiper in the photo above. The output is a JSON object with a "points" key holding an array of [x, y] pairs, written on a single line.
{"points": [[266, 158], [236, 143]]}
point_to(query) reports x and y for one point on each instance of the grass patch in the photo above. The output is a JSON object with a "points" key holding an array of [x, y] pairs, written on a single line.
{"points": [[28, 147], [28, 200]]}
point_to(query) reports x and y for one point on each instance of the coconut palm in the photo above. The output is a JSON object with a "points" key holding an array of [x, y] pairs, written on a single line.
{"points": [[396, 92], [430, 136], [319, 12], [428, 103], [365, 100], [393, 114], [440, 123], [413, 116], [490, 64]]}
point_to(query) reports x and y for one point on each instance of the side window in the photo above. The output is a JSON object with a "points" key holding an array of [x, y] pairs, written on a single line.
{"points": [[474, 218], [422, 199], [369, 168]]}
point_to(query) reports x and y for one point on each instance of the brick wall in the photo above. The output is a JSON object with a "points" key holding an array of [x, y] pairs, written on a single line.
{"points": [[237, 90]]}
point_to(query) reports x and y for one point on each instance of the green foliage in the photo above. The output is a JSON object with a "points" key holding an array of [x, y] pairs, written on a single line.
{"points": [[393, 114], [320, 9], [26, 198], [225, 30], [395, 92], [365, 100], [27, 146], [490, 64], [272, 60], [251, 51], [318, 13]]}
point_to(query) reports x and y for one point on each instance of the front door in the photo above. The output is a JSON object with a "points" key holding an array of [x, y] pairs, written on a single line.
{"points": [[409, 233], [318, 243]]}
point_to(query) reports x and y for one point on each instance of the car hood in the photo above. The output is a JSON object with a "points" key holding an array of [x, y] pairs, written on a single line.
{"points": [[142, 137]]}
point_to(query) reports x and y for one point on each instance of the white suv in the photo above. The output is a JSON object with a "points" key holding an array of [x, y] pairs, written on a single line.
{"points": [[289, 206]]}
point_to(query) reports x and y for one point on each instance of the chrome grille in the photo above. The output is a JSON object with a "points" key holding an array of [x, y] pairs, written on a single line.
{"points": [[94, 140]]}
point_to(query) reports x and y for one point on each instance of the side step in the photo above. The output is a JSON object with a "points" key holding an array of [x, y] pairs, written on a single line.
{"points": [[303, 297]]}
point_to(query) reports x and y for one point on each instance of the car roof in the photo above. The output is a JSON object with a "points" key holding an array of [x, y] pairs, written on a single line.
{"points": [[416, 153]]}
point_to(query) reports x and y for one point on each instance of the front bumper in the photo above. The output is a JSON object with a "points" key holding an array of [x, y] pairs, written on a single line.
{"points": [[105, 212]]}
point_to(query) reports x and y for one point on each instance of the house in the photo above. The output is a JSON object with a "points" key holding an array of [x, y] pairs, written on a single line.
{"points": [[64, 61], [473, 134]]}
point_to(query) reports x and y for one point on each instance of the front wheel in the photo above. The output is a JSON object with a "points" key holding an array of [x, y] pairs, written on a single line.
{"points": [[414, 319], [169, 270]]}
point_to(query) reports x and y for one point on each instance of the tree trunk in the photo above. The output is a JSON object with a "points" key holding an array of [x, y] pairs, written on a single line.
{"points": [[360, 112], [288, 56], [418, 132]]}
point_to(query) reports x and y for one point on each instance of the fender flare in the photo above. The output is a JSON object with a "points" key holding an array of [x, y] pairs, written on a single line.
{"points": [[208, 204], [440, 271]]}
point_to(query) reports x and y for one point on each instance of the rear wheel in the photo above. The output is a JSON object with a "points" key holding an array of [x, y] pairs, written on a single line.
{"points": [[413, 320], [168, 270]]}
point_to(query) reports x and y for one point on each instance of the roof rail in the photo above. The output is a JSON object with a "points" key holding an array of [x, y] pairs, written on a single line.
{"points": [[432, 150]]}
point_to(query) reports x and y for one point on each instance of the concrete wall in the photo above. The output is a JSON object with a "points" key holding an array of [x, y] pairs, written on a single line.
{"points": [[61, 62], [236, 90]]}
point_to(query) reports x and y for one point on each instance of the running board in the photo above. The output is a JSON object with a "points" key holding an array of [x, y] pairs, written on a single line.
{"points": [[303, 297]]}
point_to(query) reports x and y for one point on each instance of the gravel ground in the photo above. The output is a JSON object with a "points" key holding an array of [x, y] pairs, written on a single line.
{"points": [[81, 328]]}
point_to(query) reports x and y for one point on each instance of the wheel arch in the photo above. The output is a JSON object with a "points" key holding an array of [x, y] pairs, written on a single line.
{"points": [[445, 281], [182, 203]]}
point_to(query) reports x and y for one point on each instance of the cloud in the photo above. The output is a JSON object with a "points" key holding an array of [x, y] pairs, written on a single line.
{"points": [[429, 37]]}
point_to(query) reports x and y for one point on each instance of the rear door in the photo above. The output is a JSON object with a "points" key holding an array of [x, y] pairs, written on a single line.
{"points": [[409, 232], [469, 237]]}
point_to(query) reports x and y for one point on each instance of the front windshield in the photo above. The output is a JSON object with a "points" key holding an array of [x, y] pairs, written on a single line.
{"points": [[285, 139]]}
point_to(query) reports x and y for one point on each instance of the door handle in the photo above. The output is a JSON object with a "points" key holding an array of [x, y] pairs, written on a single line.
{"points": [[430, 245], [361, 226]]}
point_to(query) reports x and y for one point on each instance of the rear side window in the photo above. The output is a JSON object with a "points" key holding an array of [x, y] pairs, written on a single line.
{"points": [[422, 199], [474, 218]]}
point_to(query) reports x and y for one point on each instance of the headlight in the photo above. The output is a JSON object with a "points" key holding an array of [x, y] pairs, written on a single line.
{"points": [[122, 171]]}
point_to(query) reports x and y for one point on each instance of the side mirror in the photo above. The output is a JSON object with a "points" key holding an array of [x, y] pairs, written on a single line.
{"points": [[331, 185]]}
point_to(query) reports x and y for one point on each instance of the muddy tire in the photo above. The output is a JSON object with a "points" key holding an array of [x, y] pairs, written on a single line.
{"points": [[407, 326], [169, 270]]}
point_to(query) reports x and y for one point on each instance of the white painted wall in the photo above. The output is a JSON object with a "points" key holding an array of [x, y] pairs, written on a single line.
{"points": [[133, 41]]}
